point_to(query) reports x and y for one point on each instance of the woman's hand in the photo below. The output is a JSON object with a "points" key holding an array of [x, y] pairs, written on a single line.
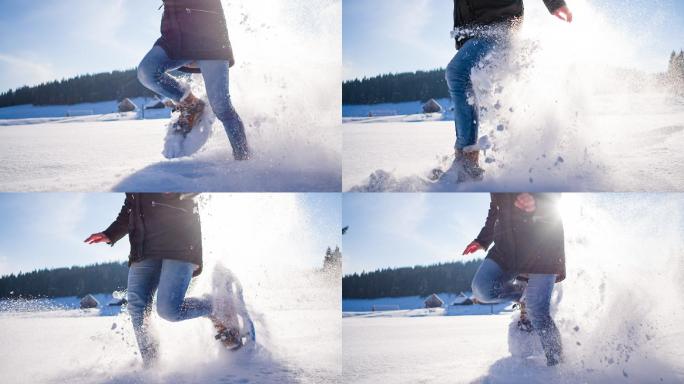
{"points": [[563, 13], [526, 203], [97, 238], [473, 247]]}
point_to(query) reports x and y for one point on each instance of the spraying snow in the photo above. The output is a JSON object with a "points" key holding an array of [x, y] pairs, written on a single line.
{"points": [[268, 242], [558, 111], [286, 94], [619, 311]]}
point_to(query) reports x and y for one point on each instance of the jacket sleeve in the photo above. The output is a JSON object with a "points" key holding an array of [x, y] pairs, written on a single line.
{"points": [[119, 228], [486, 236], [553, 5]]}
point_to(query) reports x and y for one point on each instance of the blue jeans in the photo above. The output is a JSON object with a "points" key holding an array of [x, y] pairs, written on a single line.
{"points": [[492, 284], [153, 74], [461, 89], [170, 278]]}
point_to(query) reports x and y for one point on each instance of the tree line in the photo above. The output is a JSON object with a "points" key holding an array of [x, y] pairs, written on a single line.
{"points": [[63, 282], [90, 88], [421, 281], [675, 70], [425, 85], [396, 88]]}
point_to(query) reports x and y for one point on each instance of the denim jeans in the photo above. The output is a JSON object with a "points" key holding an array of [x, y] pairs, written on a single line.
{"points": [[458, 74], [170, 278], [493, 285], [153, 74]]}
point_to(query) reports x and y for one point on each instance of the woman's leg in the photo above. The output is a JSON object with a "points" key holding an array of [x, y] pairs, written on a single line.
{"points": [[493, 285], [152, 73], [215, 73], [172, 305], [538, 302], [461, 89], [143, 278]]}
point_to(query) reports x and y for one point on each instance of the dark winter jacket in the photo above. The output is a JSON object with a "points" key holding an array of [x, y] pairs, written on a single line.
{"points": [[525, 242], [195, 30], [477, 13], [159, 226]]}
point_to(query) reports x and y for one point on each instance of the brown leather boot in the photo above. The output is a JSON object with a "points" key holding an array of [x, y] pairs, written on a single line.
{"points": [[229, 337], [190, 108], [470, 167], [524, 323]]}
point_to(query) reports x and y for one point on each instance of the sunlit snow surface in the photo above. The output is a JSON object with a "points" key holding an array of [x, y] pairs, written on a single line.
{"points": [[620, 310], [268, 241], [58, 347], [286, 94], [561, 110], [632, 143]]}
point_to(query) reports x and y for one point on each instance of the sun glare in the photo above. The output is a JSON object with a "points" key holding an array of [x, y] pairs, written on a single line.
{"points": [[570, 209]]}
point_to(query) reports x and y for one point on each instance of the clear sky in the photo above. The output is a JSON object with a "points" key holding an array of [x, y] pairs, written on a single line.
{"points": [[403, 230], [398, 230], [382, 36], [46, 230], [52, 39]]}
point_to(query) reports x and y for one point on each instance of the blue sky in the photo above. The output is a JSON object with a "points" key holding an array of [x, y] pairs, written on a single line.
{"points": [[50, 39], [46, 230], [383, 36], [398, 230]]}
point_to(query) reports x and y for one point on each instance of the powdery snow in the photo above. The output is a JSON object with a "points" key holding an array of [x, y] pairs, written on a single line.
{"points": [[285, 93], [468, 349], [558, 114], [619, 310], [267, 241], [123, 155], [58, 348], [630, 149], [436, 349]]}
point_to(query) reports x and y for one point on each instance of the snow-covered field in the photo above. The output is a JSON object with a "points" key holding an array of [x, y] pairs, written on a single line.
{"points": [[269, 243], [620, 310], [390, 109], [27, 111], [286, 95], [55, 343], [632, 144], [415, 306], [474, 349], [59, 347], [560, 109], [119, 154]]}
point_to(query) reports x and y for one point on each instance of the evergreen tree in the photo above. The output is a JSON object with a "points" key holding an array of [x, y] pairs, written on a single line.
{"points": [[333, 259], [395, 88], [410, 281], [89, 88], [61, 282]]}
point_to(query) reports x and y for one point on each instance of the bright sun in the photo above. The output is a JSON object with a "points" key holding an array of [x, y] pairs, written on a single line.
{"points": [[570, 209]]}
